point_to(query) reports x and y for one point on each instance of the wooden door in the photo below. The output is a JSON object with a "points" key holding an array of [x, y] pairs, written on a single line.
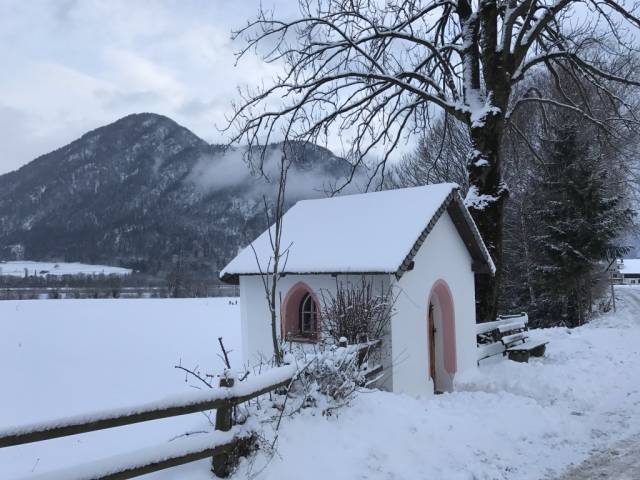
{"points": [[432, 346]]}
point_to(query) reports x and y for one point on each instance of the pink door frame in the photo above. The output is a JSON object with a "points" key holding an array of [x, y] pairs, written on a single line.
{"points": [[442, 291]]}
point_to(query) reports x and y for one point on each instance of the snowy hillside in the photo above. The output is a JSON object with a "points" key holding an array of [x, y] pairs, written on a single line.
{"points": [[506, 421], [142, 189], [18, 269]]}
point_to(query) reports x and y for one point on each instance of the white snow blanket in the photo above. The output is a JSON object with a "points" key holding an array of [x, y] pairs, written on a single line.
{"points": [[41, 269], [370, 232], [66, 357], [506, 421]]}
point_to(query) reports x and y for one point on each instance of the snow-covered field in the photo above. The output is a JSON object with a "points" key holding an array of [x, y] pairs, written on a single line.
{"points": [[17, 269], [506, 421], [63, 357]]}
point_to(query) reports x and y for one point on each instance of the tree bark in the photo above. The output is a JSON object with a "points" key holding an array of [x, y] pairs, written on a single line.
{"points": [[488, 101], [486, 205]]}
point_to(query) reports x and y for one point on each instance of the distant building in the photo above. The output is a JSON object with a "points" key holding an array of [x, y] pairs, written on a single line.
{"points": [[626, 271]]}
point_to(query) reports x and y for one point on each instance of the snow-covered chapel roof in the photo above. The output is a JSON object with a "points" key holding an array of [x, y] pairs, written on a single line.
{"points": [[378, 232]]}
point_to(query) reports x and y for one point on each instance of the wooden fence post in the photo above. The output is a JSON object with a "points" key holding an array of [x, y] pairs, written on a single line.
{"points": [[222, 461]]}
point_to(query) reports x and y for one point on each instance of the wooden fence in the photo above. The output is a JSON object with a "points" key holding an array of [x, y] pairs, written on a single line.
{"points": [[223, 445]]}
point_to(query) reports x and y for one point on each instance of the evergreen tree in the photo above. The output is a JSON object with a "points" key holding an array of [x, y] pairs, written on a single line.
{"points": [[578, 221]]}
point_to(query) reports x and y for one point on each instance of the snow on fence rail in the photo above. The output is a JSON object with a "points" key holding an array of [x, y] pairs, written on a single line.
{"points": [[168, 407], [153, 459], [218, 446], [221, 445]]}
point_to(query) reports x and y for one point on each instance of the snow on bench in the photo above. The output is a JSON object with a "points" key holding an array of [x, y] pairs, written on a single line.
{"points": [[505, 327], [504, 321], [528, 346], [509, 336], [147, 460], [489, 350], [487, 327], [509, 340]]}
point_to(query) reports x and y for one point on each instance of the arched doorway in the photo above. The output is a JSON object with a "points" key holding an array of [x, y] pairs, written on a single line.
{"points": [[441, 331]]}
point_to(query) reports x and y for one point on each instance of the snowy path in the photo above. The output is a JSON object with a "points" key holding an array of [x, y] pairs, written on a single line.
{"points": [[621, 462]]}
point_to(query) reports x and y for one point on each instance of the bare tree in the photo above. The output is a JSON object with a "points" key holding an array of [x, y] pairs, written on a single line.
{"points": [[441, 156], [375, 71], [270, 274]]}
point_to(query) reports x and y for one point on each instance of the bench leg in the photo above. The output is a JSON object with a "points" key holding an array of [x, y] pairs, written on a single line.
{"points": [[519, 356], [538, 351]]}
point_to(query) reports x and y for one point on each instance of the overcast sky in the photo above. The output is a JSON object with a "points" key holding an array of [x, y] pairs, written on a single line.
{"points": [[69, 66]]}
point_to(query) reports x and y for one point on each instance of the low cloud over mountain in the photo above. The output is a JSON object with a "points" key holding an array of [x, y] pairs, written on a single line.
{"points": [[144, 191]]}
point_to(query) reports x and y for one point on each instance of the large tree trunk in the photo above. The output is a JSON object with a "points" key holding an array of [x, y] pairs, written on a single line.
{"points": [[486, 201], [487, 194]]}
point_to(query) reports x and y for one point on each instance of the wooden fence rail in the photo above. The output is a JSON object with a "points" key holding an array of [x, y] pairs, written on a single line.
{"points": [[145, 461], [154, 459], [149, 460], [170, 407]]}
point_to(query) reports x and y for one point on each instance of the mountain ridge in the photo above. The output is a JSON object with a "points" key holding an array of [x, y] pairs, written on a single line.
{"points": [[145, 192]]}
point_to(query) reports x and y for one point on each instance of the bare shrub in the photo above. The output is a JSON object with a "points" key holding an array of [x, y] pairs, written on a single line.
{"points": [[356, 312], [338, 374]]}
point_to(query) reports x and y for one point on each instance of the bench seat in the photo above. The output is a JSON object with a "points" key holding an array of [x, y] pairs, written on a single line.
{"points": [[530, 345], [522, 352]]}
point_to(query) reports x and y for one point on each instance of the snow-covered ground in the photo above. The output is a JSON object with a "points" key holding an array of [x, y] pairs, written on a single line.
{"points": [[17, 269], [66, 357], [506, 421]]}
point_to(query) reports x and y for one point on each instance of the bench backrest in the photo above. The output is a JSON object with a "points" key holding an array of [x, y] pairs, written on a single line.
{"points": [[508, 327], [501, 322]]}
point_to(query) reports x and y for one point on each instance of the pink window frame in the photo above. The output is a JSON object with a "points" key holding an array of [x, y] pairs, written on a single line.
{"points": [[289, 314]]}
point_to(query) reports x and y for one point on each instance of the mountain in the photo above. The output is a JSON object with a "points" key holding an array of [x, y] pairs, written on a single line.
{"points": [[145, 192]]}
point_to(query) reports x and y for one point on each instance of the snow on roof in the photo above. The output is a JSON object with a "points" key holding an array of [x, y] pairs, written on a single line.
{"points": [[370, 232], [630, 265]]}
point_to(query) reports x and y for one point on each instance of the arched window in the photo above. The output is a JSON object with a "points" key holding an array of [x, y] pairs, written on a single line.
{"points": [[300, 314], [307, 315]]}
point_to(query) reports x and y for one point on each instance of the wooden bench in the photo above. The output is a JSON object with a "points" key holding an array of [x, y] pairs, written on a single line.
{"points": [[508, 335]]}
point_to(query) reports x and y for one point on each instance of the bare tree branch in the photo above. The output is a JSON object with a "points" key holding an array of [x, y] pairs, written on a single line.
{"points": [[374, 73]]}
